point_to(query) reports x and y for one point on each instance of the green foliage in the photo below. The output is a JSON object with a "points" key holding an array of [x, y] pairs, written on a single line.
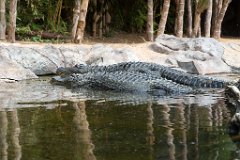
{"points": [[36, 39], [139, 20], [138, 16], [37, 15], [23, 30]]}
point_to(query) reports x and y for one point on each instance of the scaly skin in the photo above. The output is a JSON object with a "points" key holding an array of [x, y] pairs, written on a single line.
{"points": [[156, 70], [124, 81]]}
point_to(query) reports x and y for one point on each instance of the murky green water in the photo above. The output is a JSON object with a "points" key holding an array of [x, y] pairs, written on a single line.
{"points": [[112, 127]]}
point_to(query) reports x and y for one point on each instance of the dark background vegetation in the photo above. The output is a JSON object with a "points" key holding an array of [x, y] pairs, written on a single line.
{"points": [[127, 15]]}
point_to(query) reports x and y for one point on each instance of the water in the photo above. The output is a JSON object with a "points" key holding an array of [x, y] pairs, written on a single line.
{"points": [[48, 122]]}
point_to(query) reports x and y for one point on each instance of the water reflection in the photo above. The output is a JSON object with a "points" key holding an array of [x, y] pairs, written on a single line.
{"points": [[90, 130], [169, 131], [83, 136], [14, 131], [15, 135], [3, 135]]}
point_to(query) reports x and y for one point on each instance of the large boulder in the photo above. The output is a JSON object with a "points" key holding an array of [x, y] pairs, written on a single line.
{"points": [[11, 70], [44, 60], [100, 54], [195, 55], [231, 54]]}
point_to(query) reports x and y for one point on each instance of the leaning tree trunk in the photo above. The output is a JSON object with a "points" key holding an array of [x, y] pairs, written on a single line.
{"points": [[2, 20], [201, 5], [150, 20], [218, 24], [214, 15], [164, 16], [180, 14], [189, 18], [76, 14], [12, 20], [96, 17], [197, 18], [176, 14], [208, 19], [81, 22]]}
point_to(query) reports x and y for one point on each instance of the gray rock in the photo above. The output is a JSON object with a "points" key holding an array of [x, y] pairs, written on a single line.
{"points": [[44, 60], [11, 70], [231, 54], [101, 54], [195, 55], [169, 44]]}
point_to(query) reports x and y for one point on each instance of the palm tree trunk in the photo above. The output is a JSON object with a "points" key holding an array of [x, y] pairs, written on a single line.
{"points": [[164, 15], [179, 32], [95, 18], [219, 6], [189, 18], [81, 21], [101, 19], [2, 20], [221, 14], [208, 19], [76, 14], [150, 20], [12, 20], [175, 22], [214, 15]]}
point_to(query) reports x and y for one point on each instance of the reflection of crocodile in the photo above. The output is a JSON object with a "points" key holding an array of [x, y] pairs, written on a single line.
{"points": [[153, 69]]}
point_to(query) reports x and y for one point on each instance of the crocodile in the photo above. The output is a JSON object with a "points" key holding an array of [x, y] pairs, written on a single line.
{"points": [[123, 81], [157, 70]]}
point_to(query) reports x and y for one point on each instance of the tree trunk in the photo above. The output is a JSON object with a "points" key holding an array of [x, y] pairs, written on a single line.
{"points": [[201, 5], [218, 24], [189, 18], [104, 18], [108, 19], [101, 19], [208, 19], [214, 15], [164, 16], [150, 20], [175, 21], [76, 14], [2, 20], [12, 20], [196, 24], [180, 14], [219, 6], [81, 21]]}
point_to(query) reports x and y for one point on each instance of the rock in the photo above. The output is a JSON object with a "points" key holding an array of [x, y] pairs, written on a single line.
{"points": [[234, 50], [34, 93], [44, 60], [11, 70], [190, 67], [169, 43], [104, 55], [195, 55]]}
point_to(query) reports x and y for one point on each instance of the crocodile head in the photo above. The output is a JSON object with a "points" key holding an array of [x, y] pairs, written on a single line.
{"points": [[66, 71], [71, 81], [60, 80]]}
